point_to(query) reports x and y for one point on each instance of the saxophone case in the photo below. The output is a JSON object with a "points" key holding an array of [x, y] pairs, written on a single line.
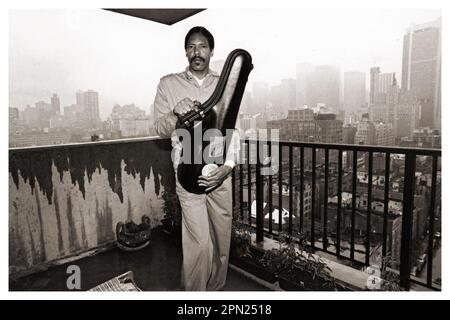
{"points": [[219, 112]]}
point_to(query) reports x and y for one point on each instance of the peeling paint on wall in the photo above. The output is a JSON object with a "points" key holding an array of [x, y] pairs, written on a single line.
{"points": [[85, 187], [139, 157], [58, 221]]}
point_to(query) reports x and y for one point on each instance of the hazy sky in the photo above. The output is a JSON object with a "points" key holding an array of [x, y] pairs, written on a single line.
{"points": [[121, 57]]}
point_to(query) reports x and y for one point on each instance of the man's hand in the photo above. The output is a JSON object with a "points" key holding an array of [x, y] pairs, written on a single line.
{"points": [[215, 178], [184, 106]]}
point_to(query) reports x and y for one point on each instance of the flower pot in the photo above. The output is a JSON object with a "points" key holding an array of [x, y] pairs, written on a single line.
{"points": [[300, 280], [251, 265]]}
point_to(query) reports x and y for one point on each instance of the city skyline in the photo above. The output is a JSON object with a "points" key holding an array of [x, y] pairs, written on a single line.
{"points": [[61, 71]]}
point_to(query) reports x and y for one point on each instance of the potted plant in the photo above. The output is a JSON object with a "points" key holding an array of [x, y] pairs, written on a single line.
{"points": [[297, 269], [390, 280], [246, 256]]}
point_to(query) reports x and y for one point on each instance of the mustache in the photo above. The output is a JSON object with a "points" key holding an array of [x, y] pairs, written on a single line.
{"points": [[197, 57]]}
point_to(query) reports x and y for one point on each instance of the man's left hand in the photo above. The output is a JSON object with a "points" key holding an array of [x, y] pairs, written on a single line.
{"points": [[215, 178]]}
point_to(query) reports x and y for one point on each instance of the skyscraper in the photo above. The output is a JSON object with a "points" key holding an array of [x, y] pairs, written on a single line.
{"points": [[260, 97], [407, 115], [289, 90], [386, 80], [354, 90], [392, 98], [380, 84], [374, 83], [304, 71], [80, 99], [87, 102], [277, 99], [323, 87], [421, 69], [56, 104], [91, 105]]}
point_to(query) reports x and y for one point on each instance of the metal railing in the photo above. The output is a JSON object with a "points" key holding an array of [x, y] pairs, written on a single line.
{"points": [[333, 231]]}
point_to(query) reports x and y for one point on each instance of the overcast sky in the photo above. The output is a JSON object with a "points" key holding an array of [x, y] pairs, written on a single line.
{"points": [[121, 57]]}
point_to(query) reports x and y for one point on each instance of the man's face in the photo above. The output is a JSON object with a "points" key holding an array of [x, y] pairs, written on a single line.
{"points": [[198, 52]]}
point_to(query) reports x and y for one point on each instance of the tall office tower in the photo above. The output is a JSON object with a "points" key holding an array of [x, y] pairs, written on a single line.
{"points": [[288, 87], [392, 98], [323, 87], [386, 81], [260, 98], [379, 112], [304, 71], [407, 115], [277, 99], [91, 105], [80, 99], [56, 105], [380, 83], [421, 69], [374, 83], [87, 102], [354, 90]]}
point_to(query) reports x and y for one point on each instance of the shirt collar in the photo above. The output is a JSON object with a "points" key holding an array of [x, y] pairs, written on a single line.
{"points": [[190, 76]]}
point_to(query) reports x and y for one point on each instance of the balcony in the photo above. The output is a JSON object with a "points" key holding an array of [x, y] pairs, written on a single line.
{"points": [[65, 201]]}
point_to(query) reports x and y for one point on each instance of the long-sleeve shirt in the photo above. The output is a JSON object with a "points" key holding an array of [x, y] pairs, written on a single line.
{"points": [[173, 88]]}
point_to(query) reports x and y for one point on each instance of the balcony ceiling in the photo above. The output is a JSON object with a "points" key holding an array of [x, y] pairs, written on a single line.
{"points": [[165, 16]]}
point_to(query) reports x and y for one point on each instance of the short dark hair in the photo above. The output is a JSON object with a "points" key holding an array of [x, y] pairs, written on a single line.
{"points": [[203, 31]]}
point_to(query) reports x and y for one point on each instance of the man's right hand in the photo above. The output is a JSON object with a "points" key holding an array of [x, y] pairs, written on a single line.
{"points": [[184, 106]]}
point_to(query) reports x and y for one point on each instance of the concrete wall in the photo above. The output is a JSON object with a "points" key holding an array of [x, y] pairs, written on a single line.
{"points": [[67, 199]]}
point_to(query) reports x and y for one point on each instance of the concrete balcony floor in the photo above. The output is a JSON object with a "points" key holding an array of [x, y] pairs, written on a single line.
{"points": [[156, 268]]}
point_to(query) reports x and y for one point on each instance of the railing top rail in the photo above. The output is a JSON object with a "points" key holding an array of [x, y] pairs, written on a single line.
{"points": [[353, 147], [83, 144], [320, 145]]}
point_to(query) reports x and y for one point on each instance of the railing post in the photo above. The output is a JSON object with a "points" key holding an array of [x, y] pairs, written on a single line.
{"points": [[386, 201], [249, 182], [313, 197], [280, 188], [339, 207], [407, 220], [291, 190], [259, 199], [325, 203], [353, 217], [431, 222], [369, 209], [302, 186], [270, 189]]}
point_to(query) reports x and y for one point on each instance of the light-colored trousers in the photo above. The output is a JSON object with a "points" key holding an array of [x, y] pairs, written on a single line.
{"points": [[205, 236]]}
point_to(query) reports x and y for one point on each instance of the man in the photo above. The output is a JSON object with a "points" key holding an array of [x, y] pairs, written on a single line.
{"points": [[206, 218]]}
